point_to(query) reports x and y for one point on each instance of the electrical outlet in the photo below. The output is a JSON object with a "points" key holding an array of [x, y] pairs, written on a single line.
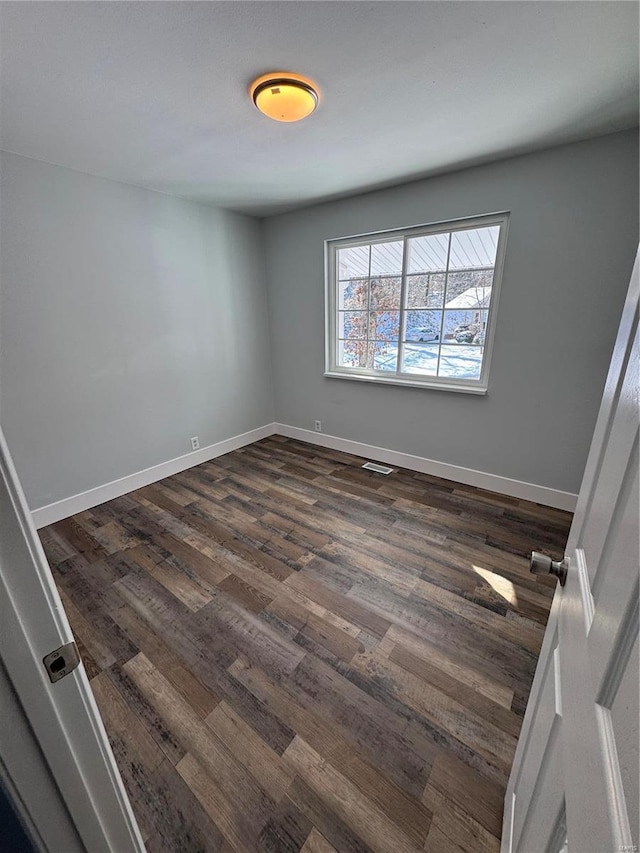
{"points": [[195, 443], [318, 426]]}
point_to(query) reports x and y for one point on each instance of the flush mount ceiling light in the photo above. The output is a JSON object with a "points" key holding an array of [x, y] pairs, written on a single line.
{"points": [[283, 96]]}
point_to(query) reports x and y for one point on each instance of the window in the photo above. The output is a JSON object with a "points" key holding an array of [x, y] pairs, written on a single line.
{"points": [[417, 306]]}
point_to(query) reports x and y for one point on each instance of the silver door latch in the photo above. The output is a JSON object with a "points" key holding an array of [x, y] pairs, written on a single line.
{"points": [[542, 565], [61, 662]]}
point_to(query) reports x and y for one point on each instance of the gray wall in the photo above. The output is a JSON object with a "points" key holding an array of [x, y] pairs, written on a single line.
{"points": [[130, 321], [572, 239]]}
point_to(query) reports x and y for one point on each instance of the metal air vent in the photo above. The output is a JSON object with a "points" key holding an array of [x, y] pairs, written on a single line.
{"points": [[379, 469]]}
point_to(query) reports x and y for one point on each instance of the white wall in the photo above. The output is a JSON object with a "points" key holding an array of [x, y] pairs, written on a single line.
{"points": [[130, 321], [572, 240]]}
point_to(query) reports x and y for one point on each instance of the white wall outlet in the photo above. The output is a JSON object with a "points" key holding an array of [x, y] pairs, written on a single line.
{"points": [[195, 443], [318, 426]]}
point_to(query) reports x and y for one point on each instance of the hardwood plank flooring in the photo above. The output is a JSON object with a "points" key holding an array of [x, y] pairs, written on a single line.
{"points": [[293, 654]]}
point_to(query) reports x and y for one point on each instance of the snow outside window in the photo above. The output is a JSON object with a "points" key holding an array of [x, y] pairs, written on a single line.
{"points": [[416, 306]]}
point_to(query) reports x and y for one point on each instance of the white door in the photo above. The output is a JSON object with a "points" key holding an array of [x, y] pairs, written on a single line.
{"points": [[574, 783], [55, 758]]}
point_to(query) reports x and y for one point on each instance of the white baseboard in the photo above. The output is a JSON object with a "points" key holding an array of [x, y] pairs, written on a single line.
{"points": [[492, 482], [468, 476], [116, 488]]}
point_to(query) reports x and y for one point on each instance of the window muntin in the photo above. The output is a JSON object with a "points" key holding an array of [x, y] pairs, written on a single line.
{"points": [[418, 306]]}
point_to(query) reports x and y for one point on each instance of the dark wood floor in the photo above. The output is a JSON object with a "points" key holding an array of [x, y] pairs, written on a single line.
{"points": [[291, 653]]}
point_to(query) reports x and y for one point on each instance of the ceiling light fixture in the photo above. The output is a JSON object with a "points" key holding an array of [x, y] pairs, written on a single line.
{"points": [[283, 96]]}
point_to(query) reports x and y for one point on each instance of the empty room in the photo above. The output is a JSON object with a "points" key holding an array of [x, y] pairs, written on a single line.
{"points": [[319, 406]]}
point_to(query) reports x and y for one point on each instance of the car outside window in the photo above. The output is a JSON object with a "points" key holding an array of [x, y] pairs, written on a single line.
{"points": [[416, 306]]}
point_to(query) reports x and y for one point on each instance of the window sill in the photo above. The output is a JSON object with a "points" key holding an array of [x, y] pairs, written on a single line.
{"points": [[411, 383]]}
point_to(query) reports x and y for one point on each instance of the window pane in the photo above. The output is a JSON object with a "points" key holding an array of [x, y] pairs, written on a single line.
{"points": [[420, 358], [385, 355], [422, 325], [425, 291], [460, 362], [352, 324], [385, 293], [386, 258], [353, 262], [431, 292], [464, 327], [353, 294], [428, 253], [469, 289], [474, 248], [352, 353], [385, 325]]}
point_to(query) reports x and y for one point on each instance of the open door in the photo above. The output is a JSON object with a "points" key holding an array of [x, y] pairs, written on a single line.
{"points": [[55, 759], [574, 783]]}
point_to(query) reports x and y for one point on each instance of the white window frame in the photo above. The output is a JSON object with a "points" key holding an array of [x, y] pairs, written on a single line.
{"points": [[468, 386]]}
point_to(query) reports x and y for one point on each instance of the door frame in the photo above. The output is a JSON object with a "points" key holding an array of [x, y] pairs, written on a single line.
{"points": [[57, 763], [622, 351]]}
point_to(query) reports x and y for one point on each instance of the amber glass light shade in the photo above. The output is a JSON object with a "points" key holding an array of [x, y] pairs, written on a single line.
{"points": [[284, 97]]}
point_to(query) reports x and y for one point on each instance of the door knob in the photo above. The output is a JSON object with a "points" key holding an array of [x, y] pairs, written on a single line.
{"points": [[542, 565]]}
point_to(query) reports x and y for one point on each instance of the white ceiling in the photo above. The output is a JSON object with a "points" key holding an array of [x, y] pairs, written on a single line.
{"points": [[155, 94]]}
